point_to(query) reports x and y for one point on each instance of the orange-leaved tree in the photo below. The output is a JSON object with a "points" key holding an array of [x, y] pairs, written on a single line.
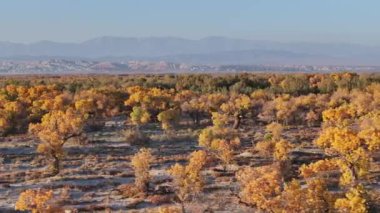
{"points": [[141, 163], [36, 201], [273, 144], [220, 140], [188, 180], [169, 119], [139, 116], [55, 129], [264, 187], [237, 106], [350, 142]]}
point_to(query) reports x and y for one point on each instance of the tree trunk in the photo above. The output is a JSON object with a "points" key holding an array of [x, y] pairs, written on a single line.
{"points": [[237, 121], [55, 165], [354, 174], [192, 117], [183, 207], [197, 121]]}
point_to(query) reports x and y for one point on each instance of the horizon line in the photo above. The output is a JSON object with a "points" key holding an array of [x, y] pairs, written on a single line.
{"points": [[188, 39]]}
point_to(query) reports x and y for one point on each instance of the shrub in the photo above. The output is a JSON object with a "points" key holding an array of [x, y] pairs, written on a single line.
{"points": [[220, 141], [187, 179], [263, 187], [139, 116], [275, 129], [133, 136], [223, 150], [169, 210], [265, 148], [141, 163], [354, 202], [281, 150], [36, 201], [169, 119], [259, 185]]}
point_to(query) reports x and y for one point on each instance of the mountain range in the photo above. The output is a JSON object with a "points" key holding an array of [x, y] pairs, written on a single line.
{"points": [[210, 50]]}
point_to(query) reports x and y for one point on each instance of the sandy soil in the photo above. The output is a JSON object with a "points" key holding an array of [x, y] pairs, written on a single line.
{"points": [[92, 172]]}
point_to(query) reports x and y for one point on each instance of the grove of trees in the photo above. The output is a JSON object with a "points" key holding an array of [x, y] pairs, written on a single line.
{"points": [[344, 108]]}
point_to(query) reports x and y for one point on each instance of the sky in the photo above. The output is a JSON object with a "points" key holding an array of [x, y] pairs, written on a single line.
{"points": [[345, 21]]}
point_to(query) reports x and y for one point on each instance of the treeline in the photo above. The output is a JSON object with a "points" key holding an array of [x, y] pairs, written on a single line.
{"points": [[242, 83], [24, 100]]}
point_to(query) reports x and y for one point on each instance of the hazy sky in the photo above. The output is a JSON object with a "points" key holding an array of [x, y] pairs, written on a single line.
{"points": [[355, 21]]}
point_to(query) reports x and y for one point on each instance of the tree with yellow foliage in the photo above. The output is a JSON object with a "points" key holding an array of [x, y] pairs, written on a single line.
{"points": [[190, 103], [169, 119], [36, 201], [141, 163], [12, 116], [55, 129], [311, 118], [274, 130], [187, 179], [341, 116], [51, 100], [285, 107], [218, 131], [219, 143], [219, 120], [265, 148], [313, 197], [139, 116], [273, 144], [169, 210], [260, 185], [281, 150], [21, 105], [346, 80], [237, 106], [308, 108], [153, 100], [295, 84], [264, 188], [220, 140], [354, 202], [352, 146], [370, 130], [260, 98], [223, 150], [213, 101], [349, 141], [320, 168], [95, 103]]}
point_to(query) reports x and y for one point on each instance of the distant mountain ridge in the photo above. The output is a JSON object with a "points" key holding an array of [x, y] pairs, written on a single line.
{"points": [[210, 50]]}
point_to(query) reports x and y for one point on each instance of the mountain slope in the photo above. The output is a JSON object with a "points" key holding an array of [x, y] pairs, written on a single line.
{"points": [[209, 50]]}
